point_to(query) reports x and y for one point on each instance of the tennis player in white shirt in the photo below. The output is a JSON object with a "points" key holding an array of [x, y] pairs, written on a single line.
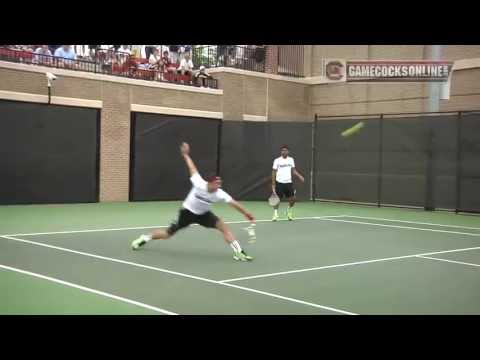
{"points": [[282, 185], [196, 210]]}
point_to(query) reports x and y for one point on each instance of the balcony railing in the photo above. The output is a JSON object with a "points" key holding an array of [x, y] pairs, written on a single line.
{"points": [[106, 62], [248, 57], [285, 60]]}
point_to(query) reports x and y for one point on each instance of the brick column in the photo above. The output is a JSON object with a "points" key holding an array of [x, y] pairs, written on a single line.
{"points": [[271, 59], [115, 143]]}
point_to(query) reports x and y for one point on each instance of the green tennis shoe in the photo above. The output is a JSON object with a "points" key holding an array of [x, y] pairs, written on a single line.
{"points": [[242, 256], [290, 214]]}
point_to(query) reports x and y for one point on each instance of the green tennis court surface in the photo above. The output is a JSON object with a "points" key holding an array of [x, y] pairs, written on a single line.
{"points": [[334, 259]]}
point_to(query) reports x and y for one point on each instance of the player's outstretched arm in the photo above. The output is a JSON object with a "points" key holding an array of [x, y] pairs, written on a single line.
{"points": [[274, 177], [185, 150], [239, 207], [298, 175]]}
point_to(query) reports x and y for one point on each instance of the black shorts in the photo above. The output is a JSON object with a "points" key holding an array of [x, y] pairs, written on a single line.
{"points": [[186, 218], [284, 190]]}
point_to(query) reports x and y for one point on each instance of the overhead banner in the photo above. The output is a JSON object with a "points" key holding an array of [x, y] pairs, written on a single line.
{"points": [[387, 70]]}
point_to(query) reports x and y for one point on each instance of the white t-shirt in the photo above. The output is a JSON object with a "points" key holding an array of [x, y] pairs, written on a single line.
{"points": [[154, 59], [186, 65], [284, 168], [199, 200], [125, 51]]}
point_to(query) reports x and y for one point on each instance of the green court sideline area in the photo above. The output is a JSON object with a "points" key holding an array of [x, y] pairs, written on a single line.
{"points": [[333, 259]]}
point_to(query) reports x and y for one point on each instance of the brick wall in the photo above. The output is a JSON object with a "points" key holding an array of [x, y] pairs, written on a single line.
{"points": [[115, 143], [357, 99], [349, 98], [250, 94]]}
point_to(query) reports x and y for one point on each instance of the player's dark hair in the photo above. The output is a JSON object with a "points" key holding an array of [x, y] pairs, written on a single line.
{"points": [[212, 177], [284, 147]]}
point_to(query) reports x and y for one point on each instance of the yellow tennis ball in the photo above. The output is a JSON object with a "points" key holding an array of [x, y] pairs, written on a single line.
{"points": [[353, 129]]}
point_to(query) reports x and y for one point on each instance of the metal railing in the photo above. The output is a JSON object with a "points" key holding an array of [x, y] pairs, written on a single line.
{"points": [[106, 62], [249, 57], [290, 60]]}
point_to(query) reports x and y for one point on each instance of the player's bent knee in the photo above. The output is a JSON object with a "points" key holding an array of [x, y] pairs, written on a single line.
{"points": [[172, 229], [220, 225]]}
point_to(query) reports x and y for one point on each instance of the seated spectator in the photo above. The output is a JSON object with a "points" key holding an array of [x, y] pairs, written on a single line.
{"points": [[93, 51], [136, 51], [155, 60], [174, 53], [66, 54], [166, 63], [28, 48], [125, 49], [149, 50], [42, 55], [181, 53], [186, 65], [123, 54], [24, 53], [53, 48], [202, 76]]}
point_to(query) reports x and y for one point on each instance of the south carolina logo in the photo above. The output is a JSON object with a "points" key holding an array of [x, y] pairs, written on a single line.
{"points": [[334, 70]]}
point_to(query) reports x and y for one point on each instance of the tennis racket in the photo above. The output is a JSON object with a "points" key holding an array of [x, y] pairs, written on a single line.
{"points": [[251, 233], [273, 200]]}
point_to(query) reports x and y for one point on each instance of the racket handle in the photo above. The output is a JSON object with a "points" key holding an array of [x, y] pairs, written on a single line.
{"points": [[251, 230]]}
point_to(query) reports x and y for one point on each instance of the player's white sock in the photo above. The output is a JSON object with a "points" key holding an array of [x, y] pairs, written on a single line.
{"points": [[147, 238], [236, 246], [275, 212]]}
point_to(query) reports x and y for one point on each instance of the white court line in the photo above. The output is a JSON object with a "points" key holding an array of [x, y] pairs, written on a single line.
{"points": [[401, 227], [90, 290], [180, 274], [412, 222], [346, 264], [450, 261], [159, 226]]}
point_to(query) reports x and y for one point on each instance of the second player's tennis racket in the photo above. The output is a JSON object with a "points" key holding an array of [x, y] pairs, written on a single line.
{"points": [[273, 200]]}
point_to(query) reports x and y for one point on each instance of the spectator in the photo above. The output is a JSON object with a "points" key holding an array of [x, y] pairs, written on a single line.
{"points": [[181, 53], [186, 65], [155, 62], [149, 50], [174, 53], [166, 63], [53, 48], [67, 54], [123, 54], [136, 51], [25, 53], [202, 76], [93, 51], [125, 49], [81, 51], [42, 55]]}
